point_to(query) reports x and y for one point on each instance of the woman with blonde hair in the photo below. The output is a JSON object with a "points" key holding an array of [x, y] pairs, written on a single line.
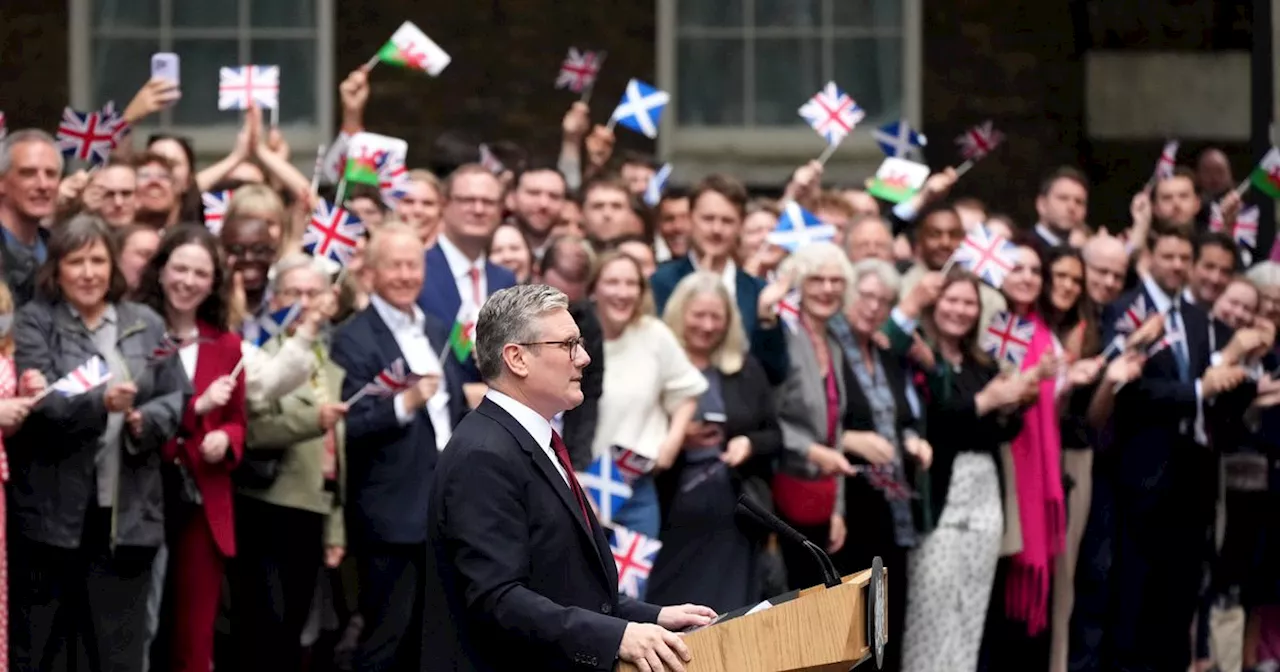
{"points": [[258, 201], [728, 448], [650, 387]]}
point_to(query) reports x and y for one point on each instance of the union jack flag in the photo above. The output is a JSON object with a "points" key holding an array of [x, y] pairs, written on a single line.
{"points": [[634, 554], [215, 208], [490, 162], [579, 70], [393, 181], [1008, 337], [391, 381], [246, 85], [4, 130], [630, 464], [86, 377], [606, 486], [979, 141], [1169, 339], [1133, 316], [333, 232], [789, 310], [885, 479], [85, 136], [986, 255], [114, 121], [1246, 229], [1167, 161], [168, 347], [832, 113]]}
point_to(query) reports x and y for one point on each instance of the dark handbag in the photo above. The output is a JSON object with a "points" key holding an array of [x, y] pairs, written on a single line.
{"points": [[259, 468], [181, 485]]}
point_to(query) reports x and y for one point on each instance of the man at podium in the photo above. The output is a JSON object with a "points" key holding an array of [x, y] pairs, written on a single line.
{"points": [[519, 575]]}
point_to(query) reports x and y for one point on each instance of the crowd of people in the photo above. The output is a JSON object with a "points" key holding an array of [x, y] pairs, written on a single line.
{"points": [[212, 494]]}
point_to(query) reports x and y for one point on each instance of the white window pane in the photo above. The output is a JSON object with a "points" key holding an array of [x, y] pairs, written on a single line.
{"points": [[120, 68], [870, 70], [296, 59], [789, 13], [867, 13], [283, 13], [709, 82], [206, 13], [126, 13], [788, 72], [200, 62], [709, 13]]}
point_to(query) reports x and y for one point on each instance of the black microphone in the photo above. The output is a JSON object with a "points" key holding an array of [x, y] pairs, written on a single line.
{"points": [[750, 508]]}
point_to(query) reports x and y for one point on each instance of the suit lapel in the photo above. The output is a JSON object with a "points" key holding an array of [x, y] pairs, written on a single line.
{"points": [[543, 466], [445, 287]]}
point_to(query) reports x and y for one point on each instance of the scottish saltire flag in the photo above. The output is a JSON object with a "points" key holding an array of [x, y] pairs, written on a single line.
{"points": [[84, 378], [630, 464], [246, 85], [268, 324], [634, 554], [641, 108], [789, 310], [986, 255], [84, 136], [1167, 162], [657, 184], [1008, 338], [410, 48], [391, 381], [215, 208], [898, 139], [979, 141], [798, 227], [579, 70], [832, 113], [393, 183], [333, 233], [1133, 316], [606, 486], [885, 479]]}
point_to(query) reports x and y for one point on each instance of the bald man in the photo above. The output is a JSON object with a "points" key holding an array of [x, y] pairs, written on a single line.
{"points": [[1106, 264]]}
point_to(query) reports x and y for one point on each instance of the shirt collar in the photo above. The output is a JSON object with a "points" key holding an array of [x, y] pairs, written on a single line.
{"points": [[1163, 302], [108, 316], [459, 264], [730, 274], [396, 318], [1048, 234], [538, 427]]}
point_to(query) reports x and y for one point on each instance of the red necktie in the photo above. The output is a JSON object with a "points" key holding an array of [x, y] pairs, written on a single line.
{"points": [[562, 454], [475, 285]]}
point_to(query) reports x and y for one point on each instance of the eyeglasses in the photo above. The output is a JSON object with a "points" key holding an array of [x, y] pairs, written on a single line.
{"points": [[472, 201], [573, 345]]}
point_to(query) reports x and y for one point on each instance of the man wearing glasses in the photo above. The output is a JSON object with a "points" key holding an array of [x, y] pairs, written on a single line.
{"points": [[519, 573], [393, 440], [459, 275]]}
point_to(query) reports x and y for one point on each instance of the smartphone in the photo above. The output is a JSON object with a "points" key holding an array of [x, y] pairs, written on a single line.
{"points": [[165, 65]]}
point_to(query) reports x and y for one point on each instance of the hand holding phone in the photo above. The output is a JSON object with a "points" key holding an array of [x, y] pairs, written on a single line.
{"points": [[165, 65]]}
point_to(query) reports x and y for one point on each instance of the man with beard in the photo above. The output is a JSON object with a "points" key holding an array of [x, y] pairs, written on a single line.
{"points": [[535, 204], [156, 195], [1213, 174], [1174, 201], [1062, 205], [30, 166]]}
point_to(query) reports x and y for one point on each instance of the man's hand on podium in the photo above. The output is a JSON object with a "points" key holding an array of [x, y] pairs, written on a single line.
{"points": [[683, 616], [653, 648]]}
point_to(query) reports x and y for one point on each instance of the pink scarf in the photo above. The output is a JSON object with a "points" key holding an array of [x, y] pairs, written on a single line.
{"points": [[1037, 465]]}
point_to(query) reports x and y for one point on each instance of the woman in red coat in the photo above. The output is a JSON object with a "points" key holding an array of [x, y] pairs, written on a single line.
{"points": [[187, 282]]}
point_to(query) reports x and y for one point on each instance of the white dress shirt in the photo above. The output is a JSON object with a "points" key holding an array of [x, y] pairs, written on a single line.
{"points": [[410, 333], [1048, 235], [1162, 304], [189, 354], [460, 267], [729, 276], [535, 424]]}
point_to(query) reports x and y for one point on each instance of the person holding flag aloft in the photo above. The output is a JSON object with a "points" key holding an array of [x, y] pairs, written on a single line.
{"points": [[390, 439]]}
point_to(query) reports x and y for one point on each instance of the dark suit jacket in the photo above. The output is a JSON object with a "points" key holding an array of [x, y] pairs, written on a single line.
{"points": [[580, 423], [440, 298], [515, 578], [769, 346], [389, 466]]}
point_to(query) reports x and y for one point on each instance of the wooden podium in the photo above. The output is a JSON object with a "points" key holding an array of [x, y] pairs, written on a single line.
{"points": [[826, 629]]}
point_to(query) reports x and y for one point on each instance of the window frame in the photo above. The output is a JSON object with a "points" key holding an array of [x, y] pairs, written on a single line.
{"points": [[212, 140], [720, 143]]}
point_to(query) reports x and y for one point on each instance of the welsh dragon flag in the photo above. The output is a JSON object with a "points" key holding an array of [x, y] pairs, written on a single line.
{"points": [[462, 339], [368, 153], [1266, 177], [410, 48]]}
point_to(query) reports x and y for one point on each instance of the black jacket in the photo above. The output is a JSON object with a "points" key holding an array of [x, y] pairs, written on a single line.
{"points": [[19, 267], [53, 477]]}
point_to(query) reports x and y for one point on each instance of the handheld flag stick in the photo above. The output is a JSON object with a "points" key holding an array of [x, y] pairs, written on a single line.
{"points": [[235, 373], [43, 393], [355, 397], [947, 266], [315, 172], [444, 352], [340, 193], [964, 168], [586, 91], [826, 153], [275, 116], [368, 65], [613, 121], [1243, 187]]}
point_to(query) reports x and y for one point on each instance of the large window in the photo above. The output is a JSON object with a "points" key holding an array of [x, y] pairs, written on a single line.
{"points": [[112, 42], [739, 69]]}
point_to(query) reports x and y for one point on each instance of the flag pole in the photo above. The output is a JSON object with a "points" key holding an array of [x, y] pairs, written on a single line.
{"points": [[275, 115], [826, 153], [1243, 187], [964, 168], [586, 91], [613, 121], [444, 352], [315, 172], [235, 373], [340, 192], [355, 397], [368, 65]]}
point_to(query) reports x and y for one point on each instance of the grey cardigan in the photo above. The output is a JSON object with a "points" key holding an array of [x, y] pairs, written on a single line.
{"points": [[802, 407]]}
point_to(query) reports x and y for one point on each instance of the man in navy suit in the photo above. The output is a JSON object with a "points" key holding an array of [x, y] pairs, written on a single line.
{"points": [[458, 272], [393, 443], [718, 205], [520, 574], [1154, 485]]}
